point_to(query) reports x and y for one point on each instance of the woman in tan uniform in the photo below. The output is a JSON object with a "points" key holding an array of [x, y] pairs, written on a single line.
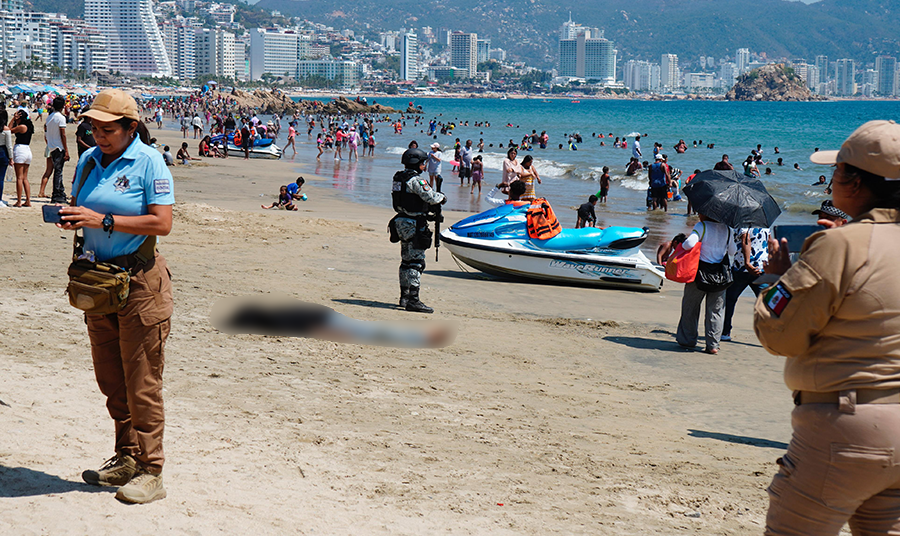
{"points": [[835, 315]]}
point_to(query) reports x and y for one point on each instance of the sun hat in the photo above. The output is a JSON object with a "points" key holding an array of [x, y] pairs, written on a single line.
{"points": [[435, 145], [829, 209], [112, 105], [873, 147], [658, 156]]}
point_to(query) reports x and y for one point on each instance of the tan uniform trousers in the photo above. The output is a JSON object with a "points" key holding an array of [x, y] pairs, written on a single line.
{"points": [[839, 468], [128, 353]]}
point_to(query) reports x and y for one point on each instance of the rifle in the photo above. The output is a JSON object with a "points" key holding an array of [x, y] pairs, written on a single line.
{"points": [[438, 218]]}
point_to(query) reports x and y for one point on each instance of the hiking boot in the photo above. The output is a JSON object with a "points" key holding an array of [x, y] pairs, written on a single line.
{"points": [[143, 488], [414, 305], [116, 471], [404, 297]]}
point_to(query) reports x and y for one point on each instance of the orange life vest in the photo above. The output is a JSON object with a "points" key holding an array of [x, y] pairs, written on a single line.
{"points": [[237, 137], [540, 220]]}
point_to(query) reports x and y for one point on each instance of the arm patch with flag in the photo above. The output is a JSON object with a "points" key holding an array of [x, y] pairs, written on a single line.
{"points": [[777, 298]]}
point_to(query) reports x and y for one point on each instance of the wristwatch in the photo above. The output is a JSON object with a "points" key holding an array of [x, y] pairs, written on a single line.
{"points": [[108, 223]]}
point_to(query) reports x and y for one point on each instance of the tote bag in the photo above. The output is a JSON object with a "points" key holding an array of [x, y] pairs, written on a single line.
{"points": [[682, 264]]}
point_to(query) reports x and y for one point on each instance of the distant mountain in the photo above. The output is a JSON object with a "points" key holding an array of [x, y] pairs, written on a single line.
{"points": [[641, 29]]}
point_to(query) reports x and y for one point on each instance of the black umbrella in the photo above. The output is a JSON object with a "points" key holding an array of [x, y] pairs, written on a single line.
{"points": [[732, 198]]}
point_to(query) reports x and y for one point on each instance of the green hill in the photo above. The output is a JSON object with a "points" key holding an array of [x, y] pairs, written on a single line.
{"points": [[641, 29]]}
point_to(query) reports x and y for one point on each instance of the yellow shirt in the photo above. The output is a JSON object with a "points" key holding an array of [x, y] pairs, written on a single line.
{"points": [[835, 314]]}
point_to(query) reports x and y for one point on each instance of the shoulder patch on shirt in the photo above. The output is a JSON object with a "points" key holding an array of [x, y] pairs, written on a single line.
{"points": [[161, 186], [777, 298]]}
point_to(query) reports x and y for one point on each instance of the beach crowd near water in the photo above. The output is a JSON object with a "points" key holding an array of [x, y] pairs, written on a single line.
{"points": [[841, 344]]}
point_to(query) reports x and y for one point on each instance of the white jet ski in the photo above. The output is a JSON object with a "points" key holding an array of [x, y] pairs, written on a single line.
{"points": [[497, 242]]}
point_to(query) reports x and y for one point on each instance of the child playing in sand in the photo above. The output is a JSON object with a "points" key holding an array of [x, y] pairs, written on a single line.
{"points": [[285, 201], [184, 156], [295, 187]]}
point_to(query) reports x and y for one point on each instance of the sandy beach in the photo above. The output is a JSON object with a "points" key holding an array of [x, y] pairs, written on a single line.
{"points": [[557, 410]]}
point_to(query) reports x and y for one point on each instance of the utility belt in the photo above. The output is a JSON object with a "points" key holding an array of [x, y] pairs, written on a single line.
{"points": [[422, 238], [848, 399]]}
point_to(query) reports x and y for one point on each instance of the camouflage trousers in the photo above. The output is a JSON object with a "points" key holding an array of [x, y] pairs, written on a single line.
{"points": [[412, 260]]}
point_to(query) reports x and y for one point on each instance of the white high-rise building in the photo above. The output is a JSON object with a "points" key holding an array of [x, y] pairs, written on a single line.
{"points": [[77, 46], [597, 59], [570, 30], [135, 42], [812, 77], [409, 57], [668, 72], [276, 52], [638, 75], [822, 65], [887, 73], [587, 55], [178, 38], [728, 73], [215, 50], [568, 57], [484, 50], [845, 77], [464, 52], [742, 60]]}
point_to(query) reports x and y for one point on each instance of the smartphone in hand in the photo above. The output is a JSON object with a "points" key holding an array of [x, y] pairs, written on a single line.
{"points": [[51, 213], [796, 234]]}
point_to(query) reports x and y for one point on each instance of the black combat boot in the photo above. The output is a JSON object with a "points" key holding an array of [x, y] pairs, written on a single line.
{"points": [[404, 297], [413, 304]]}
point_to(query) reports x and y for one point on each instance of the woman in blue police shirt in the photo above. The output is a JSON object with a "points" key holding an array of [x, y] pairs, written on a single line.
{"points": [[125, 197]]}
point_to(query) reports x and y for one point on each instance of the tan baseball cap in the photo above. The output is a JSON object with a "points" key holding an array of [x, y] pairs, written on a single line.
{"points": [[873, 147], [112, 105]]}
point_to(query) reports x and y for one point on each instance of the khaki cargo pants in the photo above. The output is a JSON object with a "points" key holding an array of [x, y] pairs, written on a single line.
{"points": [[128, 353], [839, 467]]}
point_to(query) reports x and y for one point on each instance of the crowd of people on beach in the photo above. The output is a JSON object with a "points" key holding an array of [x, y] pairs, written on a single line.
{"points": [[831, 310]]}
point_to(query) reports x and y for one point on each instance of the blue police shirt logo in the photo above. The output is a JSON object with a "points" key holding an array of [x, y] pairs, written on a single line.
{"points": [[122, 183]]}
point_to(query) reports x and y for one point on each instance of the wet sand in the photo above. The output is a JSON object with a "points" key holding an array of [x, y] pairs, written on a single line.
{"points": [[558, 410]]}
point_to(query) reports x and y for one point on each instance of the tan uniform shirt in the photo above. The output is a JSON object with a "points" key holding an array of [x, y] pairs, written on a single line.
{"points": [[835, 314]]}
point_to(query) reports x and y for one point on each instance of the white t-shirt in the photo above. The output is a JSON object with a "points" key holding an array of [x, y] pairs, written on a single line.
{"points": [[55, 122], [716, 241], [636, 149]]}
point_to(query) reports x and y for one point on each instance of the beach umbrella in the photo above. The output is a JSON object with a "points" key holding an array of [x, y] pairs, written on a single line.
{"points": [[732, 198]]}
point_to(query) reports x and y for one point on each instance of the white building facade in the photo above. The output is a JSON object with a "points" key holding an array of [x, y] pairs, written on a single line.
{"points": [[464, 52], [215, 53], [135, 43], [276, 52], [409, 57]]}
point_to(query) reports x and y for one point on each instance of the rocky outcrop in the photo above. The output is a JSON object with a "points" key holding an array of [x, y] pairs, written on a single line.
{"points": [[275, 101], [776, 82]]}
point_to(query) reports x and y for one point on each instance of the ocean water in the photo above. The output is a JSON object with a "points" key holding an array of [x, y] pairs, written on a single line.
{"points": [[569, 177]]}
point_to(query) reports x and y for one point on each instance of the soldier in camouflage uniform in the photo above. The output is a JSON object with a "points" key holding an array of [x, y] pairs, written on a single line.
{"points": [[413, 199]]}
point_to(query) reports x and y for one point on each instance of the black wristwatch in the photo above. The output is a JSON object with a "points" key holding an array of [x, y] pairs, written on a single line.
{"points": [[108, 223]]}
